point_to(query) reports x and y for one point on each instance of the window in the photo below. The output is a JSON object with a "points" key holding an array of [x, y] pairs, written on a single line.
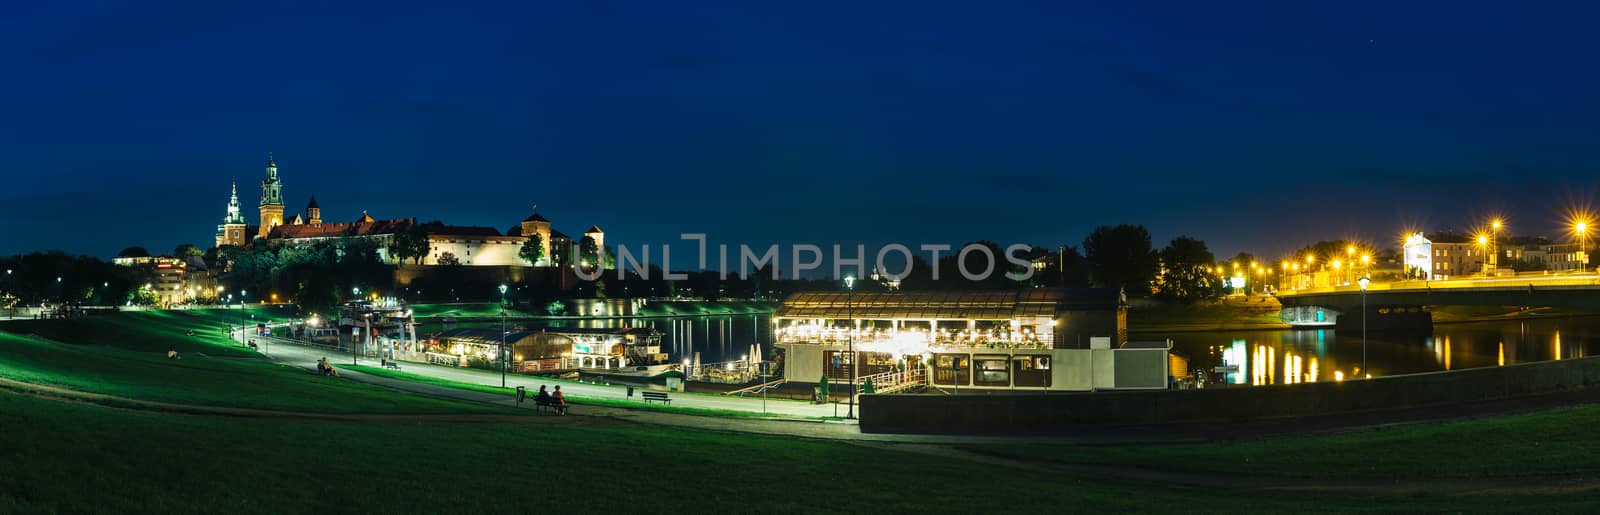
{"points": [[992, 371], [1030, 370], [952, 369]]}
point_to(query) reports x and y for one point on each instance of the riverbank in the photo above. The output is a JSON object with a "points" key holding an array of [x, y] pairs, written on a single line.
{"points": [[1260, 313], [1227, 314]]}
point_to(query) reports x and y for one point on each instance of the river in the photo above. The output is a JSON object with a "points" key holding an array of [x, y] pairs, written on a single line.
{"points": [[1312, 355]]}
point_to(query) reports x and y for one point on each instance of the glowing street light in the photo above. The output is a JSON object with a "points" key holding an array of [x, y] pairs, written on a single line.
{"points": [[1364, 281], [850, 284]]}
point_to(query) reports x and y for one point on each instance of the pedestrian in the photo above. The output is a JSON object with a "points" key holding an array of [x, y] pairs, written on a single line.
{"points": [[560, 400]]}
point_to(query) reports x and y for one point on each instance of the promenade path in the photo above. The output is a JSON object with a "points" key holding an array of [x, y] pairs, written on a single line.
{"points": [[305, 356]]}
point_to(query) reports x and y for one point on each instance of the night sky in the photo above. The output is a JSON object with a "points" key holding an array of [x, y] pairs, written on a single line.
{"points": [[1257, 127]]}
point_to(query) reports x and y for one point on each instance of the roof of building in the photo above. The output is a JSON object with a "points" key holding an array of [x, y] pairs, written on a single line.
{"points": [[366, 218], [313, 204], [558, 235], [535, 218], [594, 229], [975, 305], [460, 230], [340, 229]]}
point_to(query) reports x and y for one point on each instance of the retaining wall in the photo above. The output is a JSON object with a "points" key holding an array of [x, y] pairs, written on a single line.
{"points": [[1062, 412]]}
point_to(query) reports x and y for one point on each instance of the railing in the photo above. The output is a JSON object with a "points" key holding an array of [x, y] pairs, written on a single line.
{"points": [[727, 372], [1513, 281], [894, 381], [866, 346], [757, 389], [449, 360]]}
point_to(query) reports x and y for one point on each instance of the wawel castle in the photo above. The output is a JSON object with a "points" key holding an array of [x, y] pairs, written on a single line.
{"points": [[447, 244]]}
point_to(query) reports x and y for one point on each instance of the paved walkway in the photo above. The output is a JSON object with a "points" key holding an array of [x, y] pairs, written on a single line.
{"points": [[307, 356]]}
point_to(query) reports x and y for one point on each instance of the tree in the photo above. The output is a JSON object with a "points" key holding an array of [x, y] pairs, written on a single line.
{"points": [[532, 250], [1185, 276], [448, 258], [1243, 260], [1121, 257], [589, 252], [134, 252], [1067, 270], [187, 250], [410, 243]]}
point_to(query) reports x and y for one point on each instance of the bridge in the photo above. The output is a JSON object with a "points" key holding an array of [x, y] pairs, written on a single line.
{"points": [[1304, 307]]}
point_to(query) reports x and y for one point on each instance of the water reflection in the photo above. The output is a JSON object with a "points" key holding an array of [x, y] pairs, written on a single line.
{"points": [[1313, 355]]}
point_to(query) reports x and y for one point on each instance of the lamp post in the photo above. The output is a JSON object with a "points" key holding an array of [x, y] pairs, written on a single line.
{"points": [[1364, 282], [242, 295], [354, 357], [850, 286], [502, 336], [1583, 240], [1494, 244]]}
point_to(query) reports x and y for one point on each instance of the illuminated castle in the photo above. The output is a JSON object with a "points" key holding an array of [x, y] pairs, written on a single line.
{"points": [[447, 245]]}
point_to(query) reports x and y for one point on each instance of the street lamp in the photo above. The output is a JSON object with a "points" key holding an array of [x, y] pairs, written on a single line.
{"points": [[242, 295], [1494, 243], [502, 336], [1364, 282], [1583, 240], [850, 285]]}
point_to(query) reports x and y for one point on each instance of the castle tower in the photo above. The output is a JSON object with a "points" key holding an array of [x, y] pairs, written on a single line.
{"points": [[313, 212], [538, 225], [271, 199], [599, 237], [231, 232]]}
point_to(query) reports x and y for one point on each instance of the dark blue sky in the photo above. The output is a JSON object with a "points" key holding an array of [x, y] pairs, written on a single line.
{"points": [[1255, 126]]}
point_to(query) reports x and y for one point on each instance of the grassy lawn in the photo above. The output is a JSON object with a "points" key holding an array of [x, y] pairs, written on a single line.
{"points": [[1559, 442], [154, 331], [200, 379], [85, 458], [511, 392]]}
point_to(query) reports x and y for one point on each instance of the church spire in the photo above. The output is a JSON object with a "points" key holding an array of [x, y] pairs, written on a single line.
{"points": [[234, 216]]}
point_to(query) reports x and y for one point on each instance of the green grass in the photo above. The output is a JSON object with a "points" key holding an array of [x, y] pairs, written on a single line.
{"points": [[592, 401], [66, 457], [1560, 442], [155, 330], [133, 364]]}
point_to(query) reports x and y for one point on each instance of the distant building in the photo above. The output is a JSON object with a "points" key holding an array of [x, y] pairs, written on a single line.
{"points": [[1457, 260], [465, 245], [1555, 257], [172, 280]]}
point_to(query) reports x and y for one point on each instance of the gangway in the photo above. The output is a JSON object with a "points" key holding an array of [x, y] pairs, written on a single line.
{"points": [[757, 388], [894, 381]]}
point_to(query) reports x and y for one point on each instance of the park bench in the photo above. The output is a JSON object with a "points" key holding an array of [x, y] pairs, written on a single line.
{"points": [[655, 396], [542, 404], [391, 365]]}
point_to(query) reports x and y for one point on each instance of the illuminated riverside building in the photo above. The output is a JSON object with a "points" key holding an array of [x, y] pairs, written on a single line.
{"points": [[1032, 339]]}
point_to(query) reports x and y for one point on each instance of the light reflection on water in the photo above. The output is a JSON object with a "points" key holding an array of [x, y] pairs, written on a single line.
{"points": [[1317, 355]]}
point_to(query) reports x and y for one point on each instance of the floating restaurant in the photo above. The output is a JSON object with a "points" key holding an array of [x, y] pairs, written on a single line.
{"points": [[1035, 339], [617, 351]]}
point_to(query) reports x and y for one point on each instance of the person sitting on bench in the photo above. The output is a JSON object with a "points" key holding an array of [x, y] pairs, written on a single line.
{"points": [[559, 400], [543, 398]]}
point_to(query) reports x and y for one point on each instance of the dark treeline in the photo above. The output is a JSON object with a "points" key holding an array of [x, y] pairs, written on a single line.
{"points": [[56, 277]]}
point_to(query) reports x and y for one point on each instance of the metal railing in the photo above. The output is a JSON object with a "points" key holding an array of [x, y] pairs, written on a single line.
{"points": [[1503, 282], [895, 380]]}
